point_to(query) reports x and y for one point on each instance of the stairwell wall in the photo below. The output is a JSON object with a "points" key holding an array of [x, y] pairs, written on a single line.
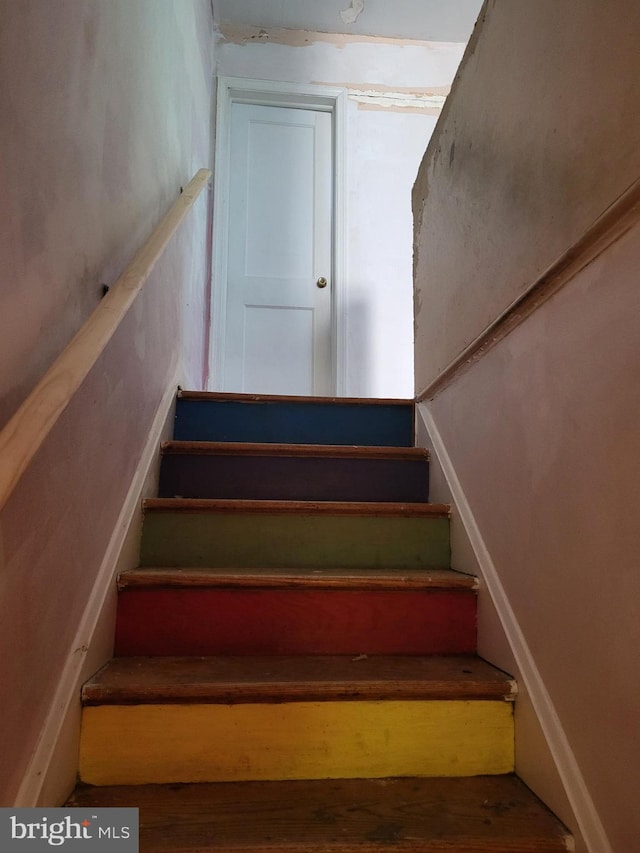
{"points": [[106, 113], [539, 137]]}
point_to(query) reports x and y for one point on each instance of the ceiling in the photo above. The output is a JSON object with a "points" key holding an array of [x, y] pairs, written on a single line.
{"points": [[430, 20]]}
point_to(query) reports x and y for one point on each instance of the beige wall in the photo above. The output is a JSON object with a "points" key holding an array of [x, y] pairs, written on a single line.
{"points": [[105, 113], [539, 137], [543, 134]]}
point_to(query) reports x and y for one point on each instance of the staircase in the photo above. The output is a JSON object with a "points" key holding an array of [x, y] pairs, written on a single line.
{"points": [[295, 664]]}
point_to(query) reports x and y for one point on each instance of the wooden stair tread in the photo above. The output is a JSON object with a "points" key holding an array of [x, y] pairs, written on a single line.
{"points": [[474, 815], [247, 448], [330, 578], [268, 507], [139, 680], [223, 396]]}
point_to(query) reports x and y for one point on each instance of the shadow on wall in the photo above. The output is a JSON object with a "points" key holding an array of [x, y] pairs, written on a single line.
{"points": [[360, 381]]}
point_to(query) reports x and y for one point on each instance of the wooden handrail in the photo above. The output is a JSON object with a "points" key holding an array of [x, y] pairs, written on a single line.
{"points": [[23, 435]]}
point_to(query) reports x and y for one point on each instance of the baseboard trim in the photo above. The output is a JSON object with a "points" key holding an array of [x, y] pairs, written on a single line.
{"points": [[578, 795], [73, 675]]}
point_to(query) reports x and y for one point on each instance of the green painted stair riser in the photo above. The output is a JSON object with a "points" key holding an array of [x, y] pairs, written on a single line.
{"points": [[299, 541]]}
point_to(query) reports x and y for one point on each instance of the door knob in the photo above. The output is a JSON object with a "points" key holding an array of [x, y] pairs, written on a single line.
{"points": [[321, 282]]}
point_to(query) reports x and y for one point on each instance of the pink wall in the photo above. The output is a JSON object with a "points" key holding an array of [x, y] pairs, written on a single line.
{"points": [[106, 113], [543, 433], [538, 138]]}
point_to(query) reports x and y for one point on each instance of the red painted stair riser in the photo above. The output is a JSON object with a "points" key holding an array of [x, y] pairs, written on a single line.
{"points": [[287, 621]]}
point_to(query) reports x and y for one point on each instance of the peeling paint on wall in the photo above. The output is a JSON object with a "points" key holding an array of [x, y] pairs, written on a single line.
{"points": [[241, 34], [370, 96], [353, 12], [370, 99], [401, 91], [390, 107]]}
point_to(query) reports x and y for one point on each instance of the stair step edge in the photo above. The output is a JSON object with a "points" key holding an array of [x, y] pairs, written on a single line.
{"points": [[221, 396], [247, 448], [271, 507], [179, 577], [491, 814], [276, 679]]}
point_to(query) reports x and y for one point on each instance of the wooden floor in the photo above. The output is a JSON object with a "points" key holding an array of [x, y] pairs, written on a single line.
{"points": [[472, 815]]}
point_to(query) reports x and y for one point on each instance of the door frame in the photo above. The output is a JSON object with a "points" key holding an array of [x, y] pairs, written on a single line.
{"points": [[278, 94]]}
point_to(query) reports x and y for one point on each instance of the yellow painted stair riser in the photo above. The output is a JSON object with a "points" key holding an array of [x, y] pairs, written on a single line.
{"points": [[138, 744]]}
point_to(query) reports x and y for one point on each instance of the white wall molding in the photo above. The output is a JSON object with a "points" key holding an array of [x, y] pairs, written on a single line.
{"points": [[80, 661], [568, 769], [270, 93]]}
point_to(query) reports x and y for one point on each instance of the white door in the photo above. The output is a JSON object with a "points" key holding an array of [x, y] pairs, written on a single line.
{"points": [[278, 312]]}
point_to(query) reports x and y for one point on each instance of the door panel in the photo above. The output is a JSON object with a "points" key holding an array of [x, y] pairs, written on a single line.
{"points": [[280, 202], [271, 335], [278, 322]]}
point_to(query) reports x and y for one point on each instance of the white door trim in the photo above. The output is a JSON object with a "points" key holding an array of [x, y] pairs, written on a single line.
{"points": [[277, 94]]}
